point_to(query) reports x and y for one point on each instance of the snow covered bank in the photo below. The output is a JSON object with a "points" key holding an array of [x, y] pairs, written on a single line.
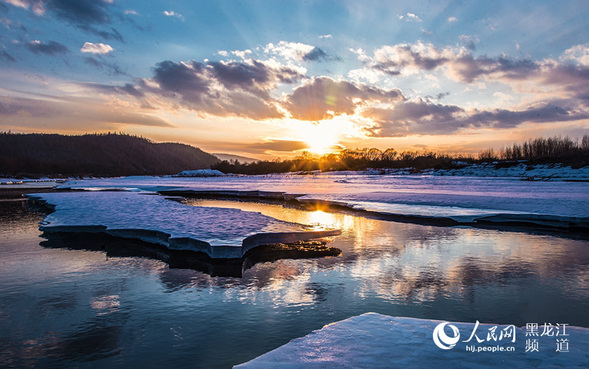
{"points": [[540, 172], [537, 172], [218, 232], [414, 198], [200, 173], [379, 341]]}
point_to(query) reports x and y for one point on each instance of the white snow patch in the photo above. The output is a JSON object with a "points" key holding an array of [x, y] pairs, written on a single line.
{"points": [[374, 341], [219, 232]]}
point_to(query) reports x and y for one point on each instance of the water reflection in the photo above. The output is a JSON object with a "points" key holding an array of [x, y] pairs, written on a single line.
{"points": [[77, 308]]}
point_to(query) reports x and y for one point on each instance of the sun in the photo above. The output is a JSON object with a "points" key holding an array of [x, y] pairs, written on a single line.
{"points": [[320, 137]]}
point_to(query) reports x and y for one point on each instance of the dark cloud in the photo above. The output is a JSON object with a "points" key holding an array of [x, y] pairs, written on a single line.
{"points": [[80, 12], [318, 54], [315, 99], [239, 75], [187, 80], [467, 68], [441, 95], [88, 15], [104, 65], [573, 80], [424, 117], [414, 117], [127, 89], [131, 90], [50, 48], [255, 77], [222, 88], [6, 56], [545, 112], [111, 34]]}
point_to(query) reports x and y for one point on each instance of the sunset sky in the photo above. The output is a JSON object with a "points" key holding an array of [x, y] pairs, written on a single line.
{"points": [[272, 78]]}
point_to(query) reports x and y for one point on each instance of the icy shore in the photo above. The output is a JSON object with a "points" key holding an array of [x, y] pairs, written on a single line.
{"points": [[218, 232], [427, 199], [380, 341]]}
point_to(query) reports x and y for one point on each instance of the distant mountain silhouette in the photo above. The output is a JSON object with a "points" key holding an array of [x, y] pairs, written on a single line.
{"points": [[30, 155], [231, 157]]}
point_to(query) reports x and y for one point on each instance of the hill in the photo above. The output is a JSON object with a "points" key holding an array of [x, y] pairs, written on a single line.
{"points": [[30, 155], [231, 157]]}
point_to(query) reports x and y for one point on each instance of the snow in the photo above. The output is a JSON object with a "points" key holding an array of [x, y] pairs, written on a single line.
{"points": [[379, 341], [553, 172], [461, 199], [201, 173], [219, 232], [535, 172], [11, 183]]}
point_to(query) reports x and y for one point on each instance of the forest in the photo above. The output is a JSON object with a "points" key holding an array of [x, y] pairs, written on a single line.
{"points": [[535, 151], [110, 154]]}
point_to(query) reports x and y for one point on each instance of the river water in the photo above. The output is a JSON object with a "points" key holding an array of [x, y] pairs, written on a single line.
{"points": [[73, 308]]}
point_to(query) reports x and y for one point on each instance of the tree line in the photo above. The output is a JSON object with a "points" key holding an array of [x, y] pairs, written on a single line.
{"points": [[536, 151]]}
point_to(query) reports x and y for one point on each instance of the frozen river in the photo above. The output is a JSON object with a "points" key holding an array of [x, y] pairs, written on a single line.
{"points": [[86, 309]]}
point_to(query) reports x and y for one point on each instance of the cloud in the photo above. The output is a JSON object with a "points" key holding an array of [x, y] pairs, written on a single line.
{"points": [[469, 41], [577, 54], [452, 19], [171, 13], [50, 48], [461, 65], [254, 77], [289, 50], [318, 54], [220, 88], [322, 98], [38, 6], [393, 59], [6, 56], [131, 12], [423, 117], [127, 89], [410, 17], [98, 48], [326, 36], [467, 68], [104, 65], [97, 115], [243, 54], [414, 117], [84, 14], [80, 12]]}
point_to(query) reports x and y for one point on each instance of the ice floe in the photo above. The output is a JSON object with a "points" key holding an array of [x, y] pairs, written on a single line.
{"points": [[379, 341], [218, 232], [201, 173]]}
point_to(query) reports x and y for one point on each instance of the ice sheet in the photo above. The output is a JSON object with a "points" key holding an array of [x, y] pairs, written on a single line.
{"points": [[379, 341], [219, 232]]}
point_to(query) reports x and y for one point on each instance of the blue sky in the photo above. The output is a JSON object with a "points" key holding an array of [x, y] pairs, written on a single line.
{"points": [[272, 78]]}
